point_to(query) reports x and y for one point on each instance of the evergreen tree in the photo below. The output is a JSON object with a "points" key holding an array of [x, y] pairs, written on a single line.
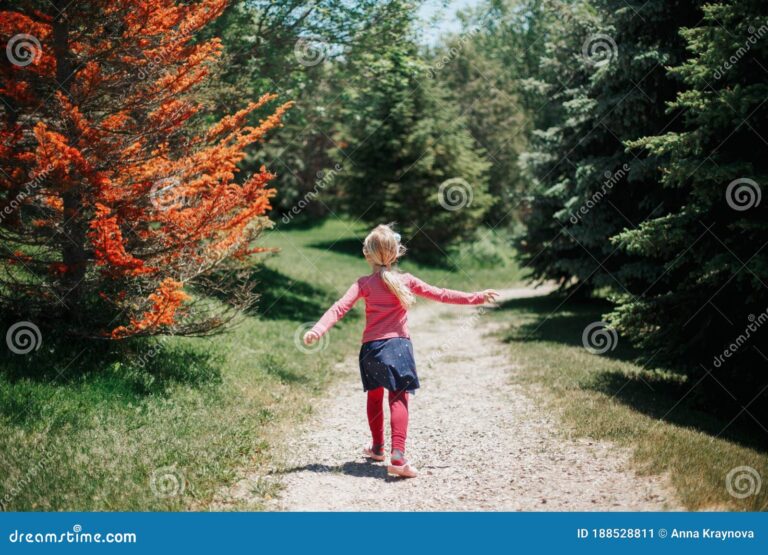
{"points": [[561, 118], [610, 86], [301, 49], [481, 67], [410, 158], [112, 204], [704, 291]]}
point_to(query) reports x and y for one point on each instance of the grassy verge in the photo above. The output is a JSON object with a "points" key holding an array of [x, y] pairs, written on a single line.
{"points": [[618, 397], [82, 431]]}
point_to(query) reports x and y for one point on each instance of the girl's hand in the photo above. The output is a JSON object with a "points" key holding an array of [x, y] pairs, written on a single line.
{"points": [[310, 337], [490, 295]]}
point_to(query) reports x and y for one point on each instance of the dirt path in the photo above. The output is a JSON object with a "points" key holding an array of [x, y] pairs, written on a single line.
{"points": [[479, 442]]}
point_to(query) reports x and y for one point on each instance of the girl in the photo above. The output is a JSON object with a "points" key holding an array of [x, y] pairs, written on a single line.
{"points": [[386, 357]]}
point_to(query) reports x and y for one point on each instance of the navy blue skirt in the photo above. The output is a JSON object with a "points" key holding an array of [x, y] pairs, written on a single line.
{"points": [[388, 363]]}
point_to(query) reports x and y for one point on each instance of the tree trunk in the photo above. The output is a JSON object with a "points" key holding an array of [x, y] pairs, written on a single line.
{"points": [[74, 226], [12, 117]]}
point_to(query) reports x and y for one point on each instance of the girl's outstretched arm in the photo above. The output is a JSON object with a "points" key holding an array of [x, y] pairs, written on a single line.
{"points": [[334, 314], [451, 296]]}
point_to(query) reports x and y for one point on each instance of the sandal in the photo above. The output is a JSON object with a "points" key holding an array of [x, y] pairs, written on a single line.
{"points": [[370, 453], [404, 470]]}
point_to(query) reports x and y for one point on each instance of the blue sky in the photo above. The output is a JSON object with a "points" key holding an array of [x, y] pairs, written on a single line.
{"points": [[447, 21]]}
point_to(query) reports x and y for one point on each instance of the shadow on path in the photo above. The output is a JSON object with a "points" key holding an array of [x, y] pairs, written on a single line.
{"points": [[351, 468]]}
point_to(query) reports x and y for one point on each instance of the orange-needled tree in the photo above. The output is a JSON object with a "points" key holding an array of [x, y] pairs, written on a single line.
{"points": [[118, 193]]}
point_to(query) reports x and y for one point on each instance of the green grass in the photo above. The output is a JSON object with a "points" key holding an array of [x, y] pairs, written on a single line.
{"points": [[627, 400], [87, 430]]}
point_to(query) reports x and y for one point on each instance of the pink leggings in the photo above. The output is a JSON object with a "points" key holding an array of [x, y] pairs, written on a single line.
{"points": [[398, 410]]}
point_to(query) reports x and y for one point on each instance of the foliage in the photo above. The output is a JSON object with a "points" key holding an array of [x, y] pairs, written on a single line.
{"points": [[482, 68], [116, 197], [200, 410], [409, 157], [636, 169], [304, 50], [606, 75], [703, 299]]}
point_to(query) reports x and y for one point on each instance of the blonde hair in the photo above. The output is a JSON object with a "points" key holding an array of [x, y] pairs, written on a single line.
{"points": [[382, 248]]}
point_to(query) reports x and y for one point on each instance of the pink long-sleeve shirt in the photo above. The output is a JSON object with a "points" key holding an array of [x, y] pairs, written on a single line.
{"points": [[385, 317]]}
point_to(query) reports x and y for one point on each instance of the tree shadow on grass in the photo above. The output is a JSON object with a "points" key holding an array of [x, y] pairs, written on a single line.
{"points": [[350, 246], [555, 318], [64, 392], [284, 298], [299, 223], [681, 405], [654, 390], [279, 296], [126, 369], [276, 365]]}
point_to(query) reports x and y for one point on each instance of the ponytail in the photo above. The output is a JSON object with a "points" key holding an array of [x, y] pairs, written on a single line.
{"points": [[398, 287], [382, 248]]}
